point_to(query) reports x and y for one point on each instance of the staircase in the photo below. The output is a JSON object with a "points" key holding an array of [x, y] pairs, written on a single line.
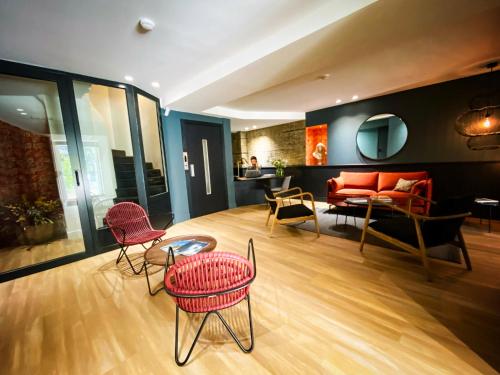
{"points": [[126, 186]]}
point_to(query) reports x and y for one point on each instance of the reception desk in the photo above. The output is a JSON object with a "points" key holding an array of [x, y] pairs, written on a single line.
{"points": [[251, 190]]}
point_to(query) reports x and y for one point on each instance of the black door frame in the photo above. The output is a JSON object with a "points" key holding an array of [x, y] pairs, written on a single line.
{"points": [[74, 149], [220, 128], [64, 81]]}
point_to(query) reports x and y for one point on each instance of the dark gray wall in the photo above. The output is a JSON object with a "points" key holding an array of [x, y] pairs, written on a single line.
{"points": [[429, 113]]}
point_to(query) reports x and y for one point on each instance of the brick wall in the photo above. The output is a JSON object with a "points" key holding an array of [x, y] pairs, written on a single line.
{"points": [[26, 165], [286, 141]]}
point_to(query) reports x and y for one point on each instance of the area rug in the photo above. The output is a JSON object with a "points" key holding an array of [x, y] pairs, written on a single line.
{"points": [[350, 227]]}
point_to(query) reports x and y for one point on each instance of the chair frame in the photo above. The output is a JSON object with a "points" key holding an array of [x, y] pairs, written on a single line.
{"points": [[421, 251], [280, 203], [178, 361]]}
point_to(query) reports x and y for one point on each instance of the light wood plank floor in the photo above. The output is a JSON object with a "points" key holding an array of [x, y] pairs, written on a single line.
{"points": [[320, 307]]}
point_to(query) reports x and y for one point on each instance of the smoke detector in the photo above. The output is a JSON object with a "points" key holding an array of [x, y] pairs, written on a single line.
{"points": [[147, 24]]}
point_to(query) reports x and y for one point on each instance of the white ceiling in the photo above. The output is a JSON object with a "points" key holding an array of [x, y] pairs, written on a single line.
{"points": [[256, 57]]}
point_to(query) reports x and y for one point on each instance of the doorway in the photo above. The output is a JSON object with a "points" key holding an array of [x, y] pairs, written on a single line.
{"points": [[204, 167]]}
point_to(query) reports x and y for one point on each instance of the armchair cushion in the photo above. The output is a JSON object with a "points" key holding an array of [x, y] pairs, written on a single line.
{"points": [[435, 233], [296, 210]]}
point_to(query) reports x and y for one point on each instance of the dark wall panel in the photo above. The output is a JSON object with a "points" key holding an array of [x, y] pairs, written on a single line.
{"points": [[429, 112]]}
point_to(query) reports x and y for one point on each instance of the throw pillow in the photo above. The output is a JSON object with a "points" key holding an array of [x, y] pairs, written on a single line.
{"points": [[404, 185]]}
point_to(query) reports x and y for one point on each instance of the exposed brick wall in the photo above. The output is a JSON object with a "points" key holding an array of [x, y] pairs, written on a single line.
{"points": [[285, 141], [26, 165]]}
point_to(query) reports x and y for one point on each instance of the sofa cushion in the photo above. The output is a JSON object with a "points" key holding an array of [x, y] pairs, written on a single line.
{"points": [[348, 193], [388, 180], [401, 197], [360, 180]]}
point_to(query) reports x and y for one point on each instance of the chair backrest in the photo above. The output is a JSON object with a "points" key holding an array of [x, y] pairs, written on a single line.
{"points": [[286, 183], [127, 217], [446, 230], [213, 280], [270, 198]]}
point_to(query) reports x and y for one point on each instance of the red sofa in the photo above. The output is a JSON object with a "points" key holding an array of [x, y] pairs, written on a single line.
{"points": [[367, 184]]}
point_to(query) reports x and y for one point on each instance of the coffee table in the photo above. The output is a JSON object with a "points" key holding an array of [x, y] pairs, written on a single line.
{"points": [[155, 256], [379, 200]]}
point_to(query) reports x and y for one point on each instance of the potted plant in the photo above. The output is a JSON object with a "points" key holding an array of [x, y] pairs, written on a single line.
{"points": [[37, 219], [280, 166]]}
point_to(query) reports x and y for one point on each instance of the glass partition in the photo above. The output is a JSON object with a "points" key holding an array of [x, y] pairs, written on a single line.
{"points": [[39, 215], [105, 130], [151, 139]]}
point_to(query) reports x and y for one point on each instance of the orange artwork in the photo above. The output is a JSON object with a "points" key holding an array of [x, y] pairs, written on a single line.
{"points": [[316, 145]]}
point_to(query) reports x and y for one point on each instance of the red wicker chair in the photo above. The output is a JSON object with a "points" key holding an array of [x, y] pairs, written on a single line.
{"points": [[130, 225], [209, 282]]}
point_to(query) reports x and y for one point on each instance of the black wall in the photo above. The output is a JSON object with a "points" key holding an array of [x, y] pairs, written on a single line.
{"points": [[429, 113]]}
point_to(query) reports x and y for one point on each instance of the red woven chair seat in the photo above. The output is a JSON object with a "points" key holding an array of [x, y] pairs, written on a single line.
{"points": [[141, 237], [206, 277]]}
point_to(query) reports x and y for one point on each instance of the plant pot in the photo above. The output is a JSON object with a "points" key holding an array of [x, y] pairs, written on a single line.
{"points": [[38, 234]]}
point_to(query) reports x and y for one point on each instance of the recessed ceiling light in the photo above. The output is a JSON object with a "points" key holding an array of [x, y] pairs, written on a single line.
{"points": [[155, 84], [19, 109], [354, 97], [121, 86], [338, 101], [324, 76], [246, 128], [24, 113], [147, 24], [254, 127], [129, 78]]}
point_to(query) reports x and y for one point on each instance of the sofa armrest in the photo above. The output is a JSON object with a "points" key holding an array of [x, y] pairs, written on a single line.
{"points": [[419, 188], [334, 184], [422, 189]]}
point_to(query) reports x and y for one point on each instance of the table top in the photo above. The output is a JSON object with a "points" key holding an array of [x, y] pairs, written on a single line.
{"points": [[486, 202], [155, 255], [363, 201]]}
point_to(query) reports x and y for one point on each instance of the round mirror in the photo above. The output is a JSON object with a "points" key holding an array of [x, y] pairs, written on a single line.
{"points": [[381, 136]]}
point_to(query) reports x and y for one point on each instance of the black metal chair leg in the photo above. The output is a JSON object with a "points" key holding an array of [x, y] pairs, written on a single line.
{"points": [[183, 362], [131, 265], [228, 327], [233, 335], [120, 255]]}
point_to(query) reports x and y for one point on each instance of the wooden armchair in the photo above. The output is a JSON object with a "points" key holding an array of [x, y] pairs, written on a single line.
{"points": [[292, 213], [415, 233]]}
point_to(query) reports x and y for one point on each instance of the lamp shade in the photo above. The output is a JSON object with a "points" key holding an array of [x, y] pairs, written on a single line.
{"points": [[483, 121], [484, 142]]}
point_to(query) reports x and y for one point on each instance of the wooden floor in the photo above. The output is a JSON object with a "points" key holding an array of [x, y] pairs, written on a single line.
{"points": [[320, 307]]}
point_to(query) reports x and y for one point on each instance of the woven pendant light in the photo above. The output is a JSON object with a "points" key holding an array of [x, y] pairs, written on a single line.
{"points": [[483, 117]]}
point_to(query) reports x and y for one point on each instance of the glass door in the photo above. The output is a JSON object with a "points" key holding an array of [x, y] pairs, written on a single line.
{"points": [[107, 146], [42, 204]]}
